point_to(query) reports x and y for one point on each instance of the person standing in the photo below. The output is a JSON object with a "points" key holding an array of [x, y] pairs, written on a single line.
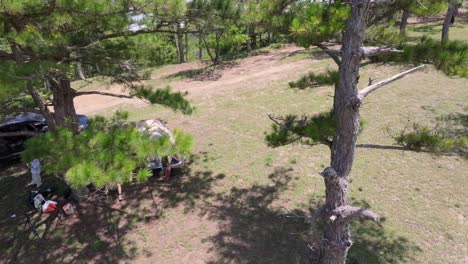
{"points": [[36, 173]]}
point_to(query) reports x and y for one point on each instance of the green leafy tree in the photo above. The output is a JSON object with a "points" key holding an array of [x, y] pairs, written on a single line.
{"points": [[43, 42], [214, 20]]}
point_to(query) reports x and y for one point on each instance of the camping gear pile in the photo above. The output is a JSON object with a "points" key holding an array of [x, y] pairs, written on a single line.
{"points": [[38, 200]]}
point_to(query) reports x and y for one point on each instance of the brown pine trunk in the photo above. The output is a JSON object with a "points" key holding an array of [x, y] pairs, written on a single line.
{"points": [[180, 44], [62, 99], [200, 47], [448, 17], [249, 40], [346, 110], [404, 21], [187, 47]]}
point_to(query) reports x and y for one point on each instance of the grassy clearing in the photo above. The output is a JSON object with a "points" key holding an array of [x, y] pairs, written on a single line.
{"points": [[434, 29], [419, 194]]}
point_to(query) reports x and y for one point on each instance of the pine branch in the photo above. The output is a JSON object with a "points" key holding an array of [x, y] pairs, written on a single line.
{"points": [[333, 54], [351, 212], [374, 51], [104, 94]]}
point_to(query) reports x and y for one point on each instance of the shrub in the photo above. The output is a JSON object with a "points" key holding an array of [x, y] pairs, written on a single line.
{"points": [[434, 140], [378, 35]]}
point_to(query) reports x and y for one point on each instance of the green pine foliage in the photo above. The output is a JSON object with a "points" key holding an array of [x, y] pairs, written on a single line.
{"points": [[109, 151], [318, 129], [319, 22], [383, 35], [166, 97], [450, 57], [312, 80], [434, 140]]}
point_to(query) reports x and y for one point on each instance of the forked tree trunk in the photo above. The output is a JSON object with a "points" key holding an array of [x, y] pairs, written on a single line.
{"points": [[346, 110], [448, 18], [404, 20], [62, 99]]}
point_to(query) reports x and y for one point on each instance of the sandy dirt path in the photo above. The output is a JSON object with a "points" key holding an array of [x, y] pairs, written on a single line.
{"points": [[253, 71]]}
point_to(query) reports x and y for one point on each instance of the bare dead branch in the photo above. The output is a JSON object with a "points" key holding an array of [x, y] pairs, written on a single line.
{"points": [[274, 120], [366, 91], [104, 94], [374, 51], [140, 32], [350, 212]]}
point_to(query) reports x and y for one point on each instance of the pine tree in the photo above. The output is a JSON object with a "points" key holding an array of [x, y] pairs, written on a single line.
{"points": [[321, 24], [43, 42]]}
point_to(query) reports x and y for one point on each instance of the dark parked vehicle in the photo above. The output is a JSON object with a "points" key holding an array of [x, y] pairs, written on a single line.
{"points": [[15, 130]]}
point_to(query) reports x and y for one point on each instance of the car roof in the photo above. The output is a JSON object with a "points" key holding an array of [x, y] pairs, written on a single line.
{"points": [[22, 118], [34, 117]]}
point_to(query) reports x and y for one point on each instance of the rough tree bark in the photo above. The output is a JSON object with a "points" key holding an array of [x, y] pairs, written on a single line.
{"points": [[337, 239], [336, 212], [452, 7], [404, 20], [62, 100]]}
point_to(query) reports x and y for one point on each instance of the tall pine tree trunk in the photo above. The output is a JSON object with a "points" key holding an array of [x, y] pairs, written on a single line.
{"points": [[253, 38], [249, 40], [346, 110], [62, 99], [448, 17], [180, 43], [200, 47], [187, 48], [404, 20]]}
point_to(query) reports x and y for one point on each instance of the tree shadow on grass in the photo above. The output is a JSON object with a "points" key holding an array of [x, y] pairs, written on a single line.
{"points": [[313, 53], [98, 229], [254, 230], [373, 243]]}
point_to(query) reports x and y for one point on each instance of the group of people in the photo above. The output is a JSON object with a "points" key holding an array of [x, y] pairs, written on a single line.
{"points": [[165, 164]]}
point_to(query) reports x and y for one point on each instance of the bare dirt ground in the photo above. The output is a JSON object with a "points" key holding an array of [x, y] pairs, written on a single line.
{"points": [[250, 72]]}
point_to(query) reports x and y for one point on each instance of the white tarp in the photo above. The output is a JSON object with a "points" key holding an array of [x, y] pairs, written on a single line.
{"points": [[155, 128]]}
